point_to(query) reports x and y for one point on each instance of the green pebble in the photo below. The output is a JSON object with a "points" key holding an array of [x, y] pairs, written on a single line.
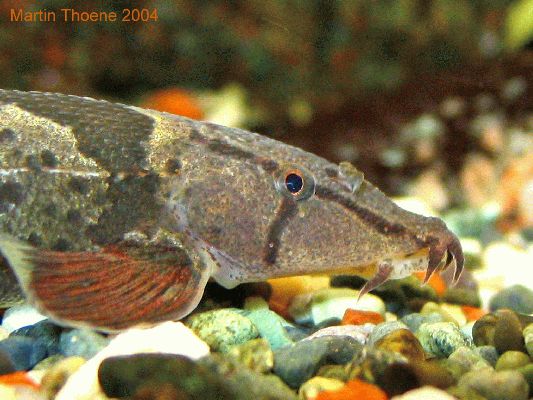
{"points": [[331, 371], [511, 360], [222, 329], [440, 339]]}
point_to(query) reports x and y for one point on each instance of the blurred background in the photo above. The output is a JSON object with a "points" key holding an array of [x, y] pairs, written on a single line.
{"points": [[432, 100]]}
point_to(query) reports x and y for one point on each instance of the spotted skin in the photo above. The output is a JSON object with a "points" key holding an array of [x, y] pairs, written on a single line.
{"points": [[79, 177]]}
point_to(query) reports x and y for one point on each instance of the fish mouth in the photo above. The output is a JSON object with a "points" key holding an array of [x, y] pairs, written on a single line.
{"points": [[444, 251]]}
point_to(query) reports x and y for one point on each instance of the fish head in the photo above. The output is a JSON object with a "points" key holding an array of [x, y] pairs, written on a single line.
{"points": [[280, 211]]}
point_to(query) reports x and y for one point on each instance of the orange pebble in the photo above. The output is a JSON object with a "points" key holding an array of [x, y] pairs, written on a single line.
{"points": [[436, 282], [174, 101], [355, 389], [18, 378], [360, 317], [472, 313]]}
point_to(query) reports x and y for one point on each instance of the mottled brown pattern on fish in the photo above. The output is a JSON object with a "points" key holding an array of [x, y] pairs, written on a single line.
{"points": [[79, 176]]}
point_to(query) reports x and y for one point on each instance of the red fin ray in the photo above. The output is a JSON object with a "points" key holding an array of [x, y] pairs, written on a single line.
{"points": [[116, 288]]}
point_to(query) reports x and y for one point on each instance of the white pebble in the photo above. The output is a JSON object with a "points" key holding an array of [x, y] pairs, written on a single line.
{"points": [[19, 316], [425, 392]]}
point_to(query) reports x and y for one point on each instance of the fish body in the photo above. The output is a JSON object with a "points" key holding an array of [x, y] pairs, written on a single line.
{"points": [[114, 216]]}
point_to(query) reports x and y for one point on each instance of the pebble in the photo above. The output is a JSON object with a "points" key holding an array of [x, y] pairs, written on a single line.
{"points": [[426, 392], [527, 373], [402, 341], [57, 375], [168, 337], [440, 339], [528, 339], [45, 331], [462, 296], [465, 359], [310, 389], [81, 342], [299, 362], [6, 364], [244, 383], [495, 385], [326, 304], [512, 360], [23, 352], [354, 389], [489, 353], [383, 330], [448, 312], [501, 329], [255, 354], [361, 317], [119, 377], [270, 327], [517, 298], [48, 362], [19, 316], [3, 333], [222, 328], [414, 320], [358, 332]]}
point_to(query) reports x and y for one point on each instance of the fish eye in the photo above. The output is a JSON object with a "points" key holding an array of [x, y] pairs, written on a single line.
{"points": [[296, 183]]}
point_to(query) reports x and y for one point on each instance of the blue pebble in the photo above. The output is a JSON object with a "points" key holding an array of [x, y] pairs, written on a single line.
{"points": [[23, 352], [45, 331], [298, 363]]}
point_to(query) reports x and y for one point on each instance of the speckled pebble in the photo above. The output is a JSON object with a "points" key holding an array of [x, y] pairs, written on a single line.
{"points": [[512, 360], [24, 352], [223, 328], [326, 304], [271, 327], [6, 363], [255, 354], [496, 385], [310, 389], [299, 362], [517, 298], [528, 338], [441, 339], [81, 342], [426, 392]]}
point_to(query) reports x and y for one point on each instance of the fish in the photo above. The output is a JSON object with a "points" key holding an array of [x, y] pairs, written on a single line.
{"points": [[114, 216]]}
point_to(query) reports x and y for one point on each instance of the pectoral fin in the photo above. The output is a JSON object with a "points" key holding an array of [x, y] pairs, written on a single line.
{"points": [[121, 286]]}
